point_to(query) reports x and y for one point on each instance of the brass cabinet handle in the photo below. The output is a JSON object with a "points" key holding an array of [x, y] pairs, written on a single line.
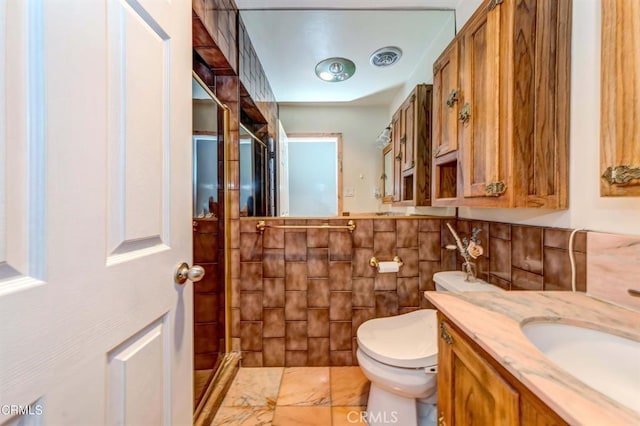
{"points": [[445, 334], [621, 174], [496, 188], [452, 98], [465, 113], [441, 421], [399, 156]]}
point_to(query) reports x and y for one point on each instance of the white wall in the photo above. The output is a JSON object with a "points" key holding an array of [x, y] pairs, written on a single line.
{"points": [[423, 72], [362, 159], [586, 208]]}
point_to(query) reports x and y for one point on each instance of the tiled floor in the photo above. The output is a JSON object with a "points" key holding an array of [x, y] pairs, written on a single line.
{"points": [[322, 396]]}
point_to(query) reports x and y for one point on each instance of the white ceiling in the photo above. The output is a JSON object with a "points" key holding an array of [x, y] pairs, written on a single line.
{"points": [[291, 42]]}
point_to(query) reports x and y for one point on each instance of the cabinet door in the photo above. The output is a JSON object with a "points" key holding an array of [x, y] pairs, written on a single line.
{"points": [[470, 391], [479, 111], [408, 139], [396, 133], [446, 92], [620, 133]]}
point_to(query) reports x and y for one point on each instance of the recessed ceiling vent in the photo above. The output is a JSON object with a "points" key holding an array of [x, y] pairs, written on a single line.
{"points": [[386, 56]]}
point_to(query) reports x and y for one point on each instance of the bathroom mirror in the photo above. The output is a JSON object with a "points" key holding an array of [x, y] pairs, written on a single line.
{"points": [[290, 42]]}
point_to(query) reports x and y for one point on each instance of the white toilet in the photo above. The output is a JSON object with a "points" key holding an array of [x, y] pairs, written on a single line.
{"points": [[399, 355]]}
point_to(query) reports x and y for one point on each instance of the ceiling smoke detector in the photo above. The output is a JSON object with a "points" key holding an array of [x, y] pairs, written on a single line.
{"points": [[385, 56]]}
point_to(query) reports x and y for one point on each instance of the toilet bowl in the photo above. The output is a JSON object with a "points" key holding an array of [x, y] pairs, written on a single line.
{"points": [[399, 355]]}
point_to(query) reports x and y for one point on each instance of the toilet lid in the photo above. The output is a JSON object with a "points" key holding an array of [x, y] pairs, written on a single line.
{"points": [[407, 340]]}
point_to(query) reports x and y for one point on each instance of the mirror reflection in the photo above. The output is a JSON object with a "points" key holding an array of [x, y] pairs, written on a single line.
{"points": [[253, 174], [206, 176], [289, 44], [387, 173]]}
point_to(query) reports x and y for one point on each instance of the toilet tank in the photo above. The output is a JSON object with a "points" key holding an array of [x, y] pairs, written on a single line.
{"points": [[454, 281]]}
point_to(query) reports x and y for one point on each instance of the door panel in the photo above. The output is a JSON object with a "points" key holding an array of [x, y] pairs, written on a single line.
{"points": [[137, 378], [21, 146], [445, 111], [408, 136], [396, 134], [480, 98], [138, 137], [95, 210]]}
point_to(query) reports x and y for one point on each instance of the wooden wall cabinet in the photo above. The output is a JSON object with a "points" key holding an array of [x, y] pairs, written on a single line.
{"points": [[446, 100], [513, 62], [620, 94], [471, 390], [411, 140]]}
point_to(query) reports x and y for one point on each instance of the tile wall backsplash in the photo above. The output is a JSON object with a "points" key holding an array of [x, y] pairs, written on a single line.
{"points": [[303, 293]]}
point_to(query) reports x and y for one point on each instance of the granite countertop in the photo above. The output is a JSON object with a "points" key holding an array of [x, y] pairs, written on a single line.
{"points": [[493, 321]]}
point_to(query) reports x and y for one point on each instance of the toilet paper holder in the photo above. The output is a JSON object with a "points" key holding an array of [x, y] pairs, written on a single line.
{"points": [[375, 263]]}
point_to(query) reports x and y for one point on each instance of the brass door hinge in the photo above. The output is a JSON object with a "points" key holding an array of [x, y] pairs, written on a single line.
{"points": [[465, 113], [452, 98], [445, 334], [621, 174], [496, 188], [493, 4]]}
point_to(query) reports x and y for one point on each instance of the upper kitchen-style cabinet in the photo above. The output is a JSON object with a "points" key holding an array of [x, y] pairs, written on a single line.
{"points": [[411, 139], [620, 131], [513, 61]]}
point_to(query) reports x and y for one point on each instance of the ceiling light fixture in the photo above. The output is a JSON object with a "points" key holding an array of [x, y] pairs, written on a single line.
{"points": [[335, 69], [385, 56]]}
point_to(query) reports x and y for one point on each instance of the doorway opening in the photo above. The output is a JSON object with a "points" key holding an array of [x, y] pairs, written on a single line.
{"points": [[314, 174]]}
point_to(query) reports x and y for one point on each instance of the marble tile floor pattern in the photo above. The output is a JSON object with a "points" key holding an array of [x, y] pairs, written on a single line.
{"points": [[300, 396]]}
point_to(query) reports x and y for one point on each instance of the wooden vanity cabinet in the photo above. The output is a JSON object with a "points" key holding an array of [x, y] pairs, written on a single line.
{"points": [[620, 93], [512, 108], [411, 138], [472, 389]]}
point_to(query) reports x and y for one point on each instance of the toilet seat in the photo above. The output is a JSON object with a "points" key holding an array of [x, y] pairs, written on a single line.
{"points": [[407, 341], [405, 382]]}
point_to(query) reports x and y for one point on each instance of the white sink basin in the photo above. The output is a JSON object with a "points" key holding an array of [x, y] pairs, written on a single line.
{"points": [[606, 362]]}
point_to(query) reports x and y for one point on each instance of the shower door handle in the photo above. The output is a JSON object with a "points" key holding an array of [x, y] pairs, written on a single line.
{"points": [[184, 273]]}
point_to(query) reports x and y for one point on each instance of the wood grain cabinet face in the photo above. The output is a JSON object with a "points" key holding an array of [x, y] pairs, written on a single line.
{"points": [[407, 138], [470, 391], [411, 138], [396, 133], [620, 94], [446, 100], [480, 103], [512, 110]]}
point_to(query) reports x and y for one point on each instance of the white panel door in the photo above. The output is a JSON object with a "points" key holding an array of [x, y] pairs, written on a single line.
{"points": [[95, 212]]}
